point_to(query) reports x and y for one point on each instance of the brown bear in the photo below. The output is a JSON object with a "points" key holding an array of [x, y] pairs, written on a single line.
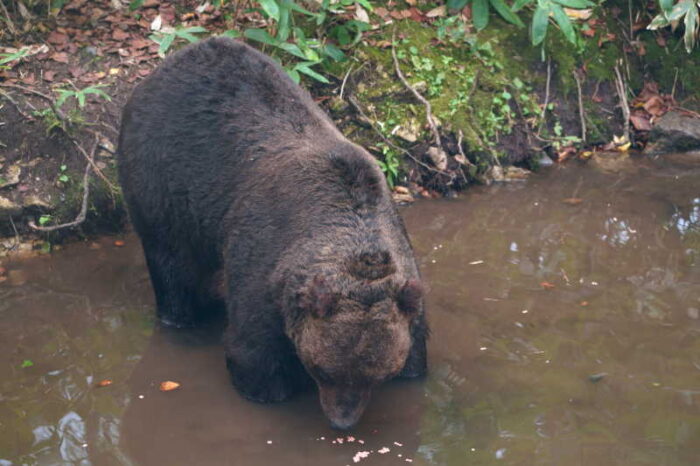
{"points": [[229, 169]]}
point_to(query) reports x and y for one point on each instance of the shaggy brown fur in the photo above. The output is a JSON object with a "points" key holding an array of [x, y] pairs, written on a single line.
{"points": [[227, 165]]}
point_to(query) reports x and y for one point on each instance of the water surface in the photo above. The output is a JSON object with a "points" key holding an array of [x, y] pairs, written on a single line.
{"points": [[565, 332]]}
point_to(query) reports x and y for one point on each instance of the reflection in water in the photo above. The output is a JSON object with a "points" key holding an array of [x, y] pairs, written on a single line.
{"points": [[562, 334]]}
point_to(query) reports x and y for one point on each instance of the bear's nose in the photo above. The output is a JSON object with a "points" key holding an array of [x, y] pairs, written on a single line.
{"points": [[344, 406]]}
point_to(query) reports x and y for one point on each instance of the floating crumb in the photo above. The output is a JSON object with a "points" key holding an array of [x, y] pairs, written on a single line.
{"points": [[398, 444], [409, 460], [360, 455], [104, 383], [340, 440], [361, 442], [141, 397], [399, 455], [383, 450], [350, 439], [323, 438], [269, 442]]}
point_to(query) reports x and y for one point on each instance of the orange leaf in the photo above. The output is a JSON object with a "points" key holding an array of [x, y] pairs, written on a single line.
{"points": [[547, 285], [119, 243], [168, 386], [572, 200], [104, 383]]}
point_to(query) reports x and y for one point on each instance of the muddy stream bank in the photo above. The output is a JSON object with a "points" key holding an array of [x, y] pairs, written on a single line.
{"points": [[565, 313]]}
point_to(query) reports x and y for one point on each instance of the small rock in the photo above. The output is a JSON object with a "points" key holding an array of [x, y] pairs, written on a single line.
{"points": [[400, 198], [438, 157], [545, 160], [11, 176], [694, 313], [337, 104], [34, 201], [17, 277], [516, 174], [8, 208], [401, 190], [674, 132], [408, 131]]}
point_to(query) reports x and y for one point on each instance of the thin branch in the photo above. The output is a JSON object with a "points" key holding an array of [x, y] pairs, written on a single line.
{"points": [[47, 98], [581, 111], [14, 102], [624, 105], [546, 95], [345, 79], [353, 101], [83, 208], [428, 108], [8, 20]]}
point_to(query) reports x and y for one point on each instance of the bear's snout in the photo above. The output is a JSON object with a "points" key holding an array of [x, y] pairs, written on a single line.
{"points": [[343, 406]]}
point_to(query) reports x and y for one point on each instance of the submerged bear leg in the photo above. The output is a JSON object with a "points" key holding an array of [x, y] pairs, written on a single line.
{"points": [[263, 367], [174, 283], [417, 361]]}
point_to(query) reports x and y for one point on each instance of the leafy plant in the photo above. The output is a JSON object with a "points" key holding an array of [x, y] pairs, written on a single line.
{"points": [[6, 58], [544, 11], [390, 164], [167, 37], [80, 95], [671, 15]]}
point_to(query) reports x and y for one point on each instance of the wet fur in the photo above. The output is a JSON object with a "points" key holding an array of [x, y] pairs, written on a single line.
{"points": [[232, 174]]}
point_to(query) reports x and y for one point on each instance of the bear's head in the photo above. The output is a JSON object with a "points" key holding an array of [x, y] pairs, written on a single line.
{"points": [[355, 332]]}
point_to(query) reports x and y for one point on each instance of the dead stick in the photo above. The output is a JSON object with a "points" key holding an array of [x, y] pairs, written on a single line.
{"points": [[624, 105], [581, 111], [47, 98], [8, 20], [83, 208], [428, 108], [17, 106]]}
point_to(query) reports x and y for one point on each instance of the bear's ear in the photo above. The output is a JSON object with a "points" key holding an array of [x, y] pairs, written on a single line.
{"points": [[358, 177], [317, 298], [371, 265], [410, 297]]}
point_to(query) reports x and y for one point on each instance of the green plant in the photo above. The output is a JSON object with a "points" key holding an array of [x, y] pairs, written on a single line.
{"points": [[544, 11], [167, 37], [7, 58], [63, 176], [671, 15], [390, 164], [80, 95]]}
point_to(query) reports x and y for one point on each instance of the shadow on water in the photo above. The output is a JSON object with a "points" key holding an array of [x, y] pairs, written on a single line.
{"points": [[563, 333]]}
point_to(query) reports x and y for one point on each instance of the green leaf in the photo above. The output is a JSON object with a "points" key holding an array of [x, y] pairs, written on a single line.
{"points": [[187, 33], [10, 57], [576, 3], [44, 219], [666, 5], [334, 52], [564, 23], [691, 28], [519, 4], [135, 5], [456, 4], [292, 5], [27, 363], [165, 43], [271, 8], [261, 35], [505, 12], [365, 4], [232, 33], [659, 21], [293, 74], [292, 49], [304, 68], [681, 9], [480, 13], [63, 178], [540, 21]]}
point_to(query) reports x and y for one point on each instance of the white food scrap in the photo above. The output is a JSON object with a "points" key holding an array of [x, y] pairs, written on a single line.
{"points": [[383, 450]]}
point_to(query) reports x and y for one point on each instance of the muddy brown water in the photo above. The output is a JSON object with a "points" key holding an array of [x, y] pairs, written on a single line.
{"points": [[562, 335]]}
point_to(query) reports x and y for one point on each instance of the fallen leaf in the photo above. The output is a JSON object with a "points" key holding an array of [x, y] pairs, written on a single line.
{"points": [[584, 303], [361, 14], [103, 383], [572, 200], [113, 71], [61, 57], [119, 243], [655, 106], [547, 285], [624, 147], [49, 75], [119, 35], [157, 23], [168, 386], [640, 123], [597, 377], [57, 38], [578, 14]]}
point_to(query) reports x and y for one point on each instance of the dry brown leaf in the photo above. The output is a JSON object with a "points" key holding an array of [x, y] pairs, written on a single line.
{"points": [[572, 200], [57, 38], [103, 383], [119, 243], [168, 386], [640, 123], [547, 285]]}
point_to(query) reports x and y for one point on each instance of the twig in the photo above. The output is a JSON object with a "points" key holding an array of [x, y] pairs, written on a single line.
{"points": [[86, 195], [8, 20], [91, 161], [47, 98], [581, 111], [546, 95], [428, 108], [17, 238], [622, 94], [673, 89], [353, 101], [345, 79], [14, 102]]}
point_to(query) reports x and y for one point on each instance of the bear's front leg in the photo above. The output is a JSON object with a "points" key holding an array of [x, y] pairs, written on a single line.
{"points": [[417, 360], [263, 364]]}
